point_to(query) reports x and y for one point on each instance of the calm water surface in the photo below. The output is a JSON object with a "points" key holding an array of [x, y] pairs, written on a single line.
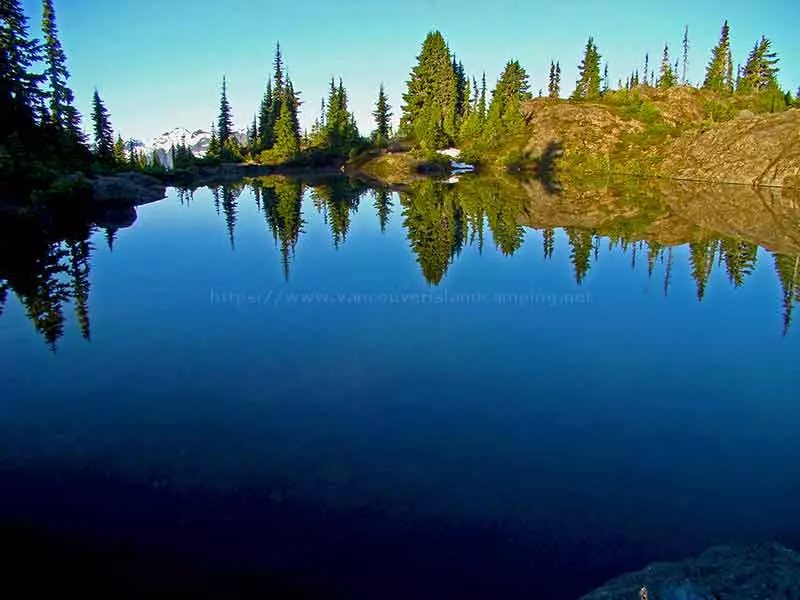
{"points": [[452, 391]]}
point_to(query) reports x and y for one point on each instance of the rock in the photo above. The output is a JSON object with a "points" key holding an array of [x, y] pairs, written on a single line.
{"points": [[758, 572], [761, 150], [128, 188]]}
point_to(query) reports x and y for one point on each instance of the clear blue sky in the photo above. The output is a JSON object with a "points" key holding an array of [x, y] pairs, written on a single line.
{"points": [[158, 64]]}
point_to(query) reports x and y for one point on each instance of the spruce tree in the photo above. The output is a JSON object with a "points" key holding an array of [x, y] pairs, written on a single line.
{"points": [[684, 79], [646, 67], [119, 151], [225, 120], [287, 144], [718, 74], [558, 80], [266, 121], [760, 71], [63, 114], [605, 79], [292, 99], [382, 115], [20, 97], [551, 80], [430, 103], [666, 78], [505, 111], [213, 145], [588, 85], [103, 133]]}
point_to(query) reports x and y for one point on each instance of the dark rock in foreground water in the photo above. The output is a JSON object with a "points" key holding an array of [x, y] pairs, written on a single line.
{"points": [[761, 572], [129, 188]]}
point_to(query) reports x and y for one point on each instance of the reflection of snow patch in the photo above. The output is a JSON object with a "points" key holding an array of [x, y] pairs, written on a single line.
{"points": [[460, 167], [451, 152], [453, 179]]}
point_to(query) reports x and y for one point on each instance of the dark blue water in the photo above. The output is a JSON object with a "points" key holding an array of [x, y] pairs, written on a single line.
{"points": [[455, 406]]}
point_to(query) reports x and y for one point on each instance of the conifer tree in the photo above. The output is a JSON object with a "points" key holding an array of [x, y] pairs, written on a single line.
{"points": [[266, 121], [292, 98], [62, 112], [119, 151], [558, 80], [482, 101], [103, 133], [287, 144], [213, 145], [382, 115], [588, 85], [505, 111], [551, 80], [225, 120], [667, 77], [684, 79], [430, 103], [719, 71], [760, 71], [646, 67], [605, 79]]}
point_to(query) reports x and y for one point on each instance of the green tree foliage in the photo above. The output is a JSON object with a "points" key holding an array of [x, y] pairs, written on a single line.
{"points": [[720, 68], [760, 71], [339, 132], [266, 119], [214, 149], [119, 151], [382, 115], [225, 119], [63, 114], [103, 132], [684, 76], [554, 81], [430, 114], [19, 93], [588, 85], [505, 111], [666, 78], [287, 142]]}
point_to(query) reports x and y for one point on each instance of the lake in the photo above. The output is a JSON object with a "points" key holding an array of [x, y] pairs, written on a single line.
{"points": [[490, 388]]}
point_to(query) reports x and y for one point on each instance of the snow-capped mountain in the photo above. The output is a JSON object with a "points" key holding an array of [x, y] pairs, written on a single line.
{"points": [[197, 141]]}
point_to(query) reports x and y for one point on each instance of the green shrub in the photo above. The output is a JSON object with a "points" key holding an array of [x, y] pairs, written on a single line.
{"points": [[718, 111]]}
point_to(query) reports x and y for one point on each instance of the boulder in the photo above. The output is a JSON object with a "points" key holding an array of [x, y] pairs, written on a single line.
{"points": [[128, 188]]}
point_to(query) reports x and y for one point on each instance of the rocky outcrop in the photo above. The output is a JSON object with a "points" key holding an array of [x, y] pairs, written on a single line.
{"points": [[753, 150], [760, 572], [127, 189]]}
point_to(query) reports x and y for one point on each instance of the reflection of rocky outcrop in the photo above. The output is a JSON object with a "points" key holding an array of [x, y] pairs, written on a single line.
{"points": [[762, 572], [669, 212]]}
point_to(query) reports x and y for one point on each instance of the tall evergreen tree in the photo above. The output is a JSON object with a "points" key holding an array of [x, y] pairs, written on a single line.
{"points": [[213, 145], [588, 85], [225, 120], [760, 71], [551, 80], [505, 111], [119, 151], [684, 79], [430, 102], [605, 79], [666, 78], [719, 71], [287, 142], [62, 112], [20, 97], [103, 132], [646, 68], [558, 80], [382, 115]]}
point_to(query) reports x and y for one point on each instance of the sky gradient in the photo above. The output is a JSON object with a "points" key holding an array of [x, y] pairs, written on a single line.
{"points": [[158, 65]]}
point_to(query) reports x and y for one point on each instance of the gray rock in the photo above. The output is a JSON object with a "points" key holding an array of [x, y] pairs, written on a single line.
{"points": [[128, 188], [759, 572]]}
